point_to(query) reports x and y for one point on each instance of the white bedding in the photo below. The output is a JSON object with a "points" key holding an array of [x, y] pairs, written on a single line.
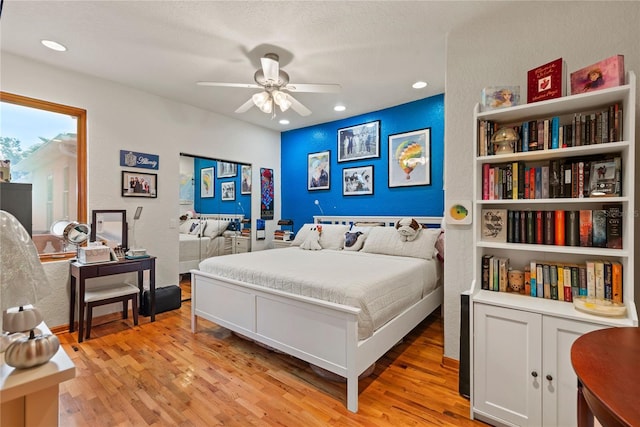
{"points": [[382, 286], [193, 248]]}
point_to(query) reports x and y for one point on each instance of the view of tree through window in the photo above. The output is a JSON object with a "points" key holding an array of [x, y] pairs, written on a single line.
{"points": [[41, 147]]}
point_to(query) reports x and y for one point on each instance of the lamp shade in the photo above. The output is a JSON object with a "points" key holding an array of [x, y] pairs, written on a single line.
{"points": [[22, 278]]}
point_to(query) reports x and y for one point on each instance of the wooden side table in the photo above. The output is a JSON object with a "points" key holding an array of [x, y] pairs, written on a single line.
{"points": [[81, 272], [608, 369], [29, 397]]}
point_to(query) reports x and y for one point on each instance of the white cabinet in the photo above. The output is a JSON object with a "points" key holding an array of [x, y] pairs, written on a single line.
{"points": [[241, 244], [522, 367]]}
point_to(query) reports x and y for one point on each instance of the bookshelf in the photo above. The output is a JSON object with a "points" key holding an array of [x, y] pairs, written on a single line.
{"points": [[521, 369]]}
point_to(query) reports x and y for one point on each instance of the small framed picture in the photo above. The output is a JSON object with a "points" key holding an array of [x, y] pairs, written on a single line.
{"points": [[139, 184], [604, 178], [495, 97], [228, 190], [227, 169], [318, 177], [410, 158], [494, 225], [245, 184], [206, 183], [359, 142], [357, 181], [459, 212]]}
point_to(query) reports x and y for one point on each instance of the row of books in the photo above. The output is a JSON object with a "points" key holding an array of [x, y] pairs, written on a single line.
{"points": [[246, 232], [557, 281], [557, 178], [284, 235], [598, 127], [601, 228]]}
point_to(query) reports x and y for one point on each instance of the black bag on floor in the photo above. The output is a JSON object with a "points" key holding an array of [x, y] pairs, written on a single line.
{"points": [[167, 298]]}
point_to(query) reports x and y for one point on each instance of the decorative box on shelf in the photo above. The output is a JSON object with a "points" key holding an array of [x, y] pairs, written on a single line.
{"points": [[94, 253]]}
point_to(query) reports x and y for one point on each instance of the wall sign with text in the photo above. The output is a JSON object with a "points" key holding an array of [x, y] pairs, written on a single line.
{"points": [[133, 159]]}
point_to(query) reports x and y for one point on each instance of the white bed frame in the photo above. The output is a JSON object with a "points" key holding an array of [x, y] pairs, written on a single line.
{"points": [[319, 332], [186, 266]]}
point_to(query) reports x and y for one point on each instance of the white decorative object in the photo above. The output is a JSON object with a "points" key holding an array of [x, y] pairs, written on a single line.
{"points": [[459, 212]]}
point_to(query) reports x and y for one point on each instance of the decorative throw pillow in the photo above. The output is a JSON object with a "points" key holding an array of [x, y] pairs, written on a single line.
{"points": [[354, 241], [387, 241], [312, 241], [194, 229], [331, 237], [408, 228]]}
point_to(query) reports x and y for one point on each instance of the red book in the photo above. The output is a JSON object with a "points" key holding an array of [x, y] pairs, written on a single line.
{"points": [[532, 183], [539, 227], [560, 228], [546, 81], [485, 181]]}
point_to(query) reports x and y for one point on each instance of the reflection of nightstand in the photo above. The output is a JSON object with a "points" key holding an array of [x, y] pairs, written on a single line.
{"points": [[277, 244], [241, 244]]}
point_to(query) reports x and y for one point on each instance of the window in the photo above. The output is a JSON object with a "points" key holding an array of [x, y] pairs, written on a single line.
{"points": [[53, 161]]}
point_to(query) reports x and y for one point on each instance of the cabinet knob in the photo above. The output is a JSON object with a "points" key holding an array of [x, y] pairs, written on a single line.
{"points": [[534, 374], [549, 377]]}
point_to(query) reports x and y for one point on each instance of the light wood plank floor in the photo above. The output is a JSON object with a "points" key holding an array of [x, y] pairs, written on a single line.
{"points": [[160, 374]]}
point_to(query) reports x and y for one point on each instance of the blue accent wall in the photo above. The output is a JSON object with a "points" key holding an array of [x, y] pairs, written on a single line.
{"points": [[298, 201], [215, 204]]}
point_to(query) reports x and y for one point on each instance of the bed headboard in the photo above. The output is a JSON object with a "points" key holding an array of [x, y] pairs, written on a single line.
{"points": [[224, 217], [429, 221]]}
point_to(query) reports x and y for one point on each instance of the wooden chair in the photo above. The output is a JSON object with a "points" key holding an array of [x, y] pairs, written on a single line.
{"points": [[108, 295]]}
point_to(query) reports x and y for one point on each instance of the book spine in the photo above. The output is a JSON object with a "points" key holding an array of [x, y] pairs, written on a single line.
{"points": [[549, 228], [580, 279], [514, 182], [614, 226], [560, 274], [616, 282], [568, 283], [532, 279], [525, 136], [523, 227], [599, 232], [485, 181], [572, 227], [559, 227], [553, 276], [546, 277], [566, 187], [591, 279], [516, 227], [531, 227], [544, 182], [608, 281], [492, 178], [540, 282], [539, 228], [533, 135], [503, 265], [486, 260], [496, 274], [586, 228], [527, 281], [599, 275], [532, 183], [521, 180], [538, 180], [511, 228], [555, 132]]}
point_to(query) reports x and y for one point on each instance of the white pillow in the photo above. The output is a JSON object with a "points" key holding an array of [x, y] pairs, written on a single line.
{"points": [[331, 237], [186, 225], [387, 241], [312, 242], [215, 227]]}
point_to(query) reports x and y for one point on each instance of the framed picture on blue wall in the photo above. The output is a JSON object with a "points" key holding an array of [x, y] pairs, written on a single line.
{"points": [[359, 142], [318, 176], [228, 190], [206, 183], [357, 181], [410, 158], [245, 185], [227, 169]]}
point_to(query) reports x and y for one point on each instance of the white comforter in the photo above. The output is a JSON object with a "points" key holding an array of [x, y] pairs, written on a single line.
{"points": [[193, 247], [382, 286]]}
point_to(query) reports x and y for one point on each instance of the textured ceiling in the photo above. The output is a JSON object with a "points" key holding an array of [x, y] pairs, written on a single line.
{"points": [[374, 50]]}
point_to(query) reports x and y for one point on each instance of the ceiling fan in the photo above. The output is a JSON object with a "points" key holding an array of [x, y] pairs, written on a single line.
{"points": [[275, 86]]}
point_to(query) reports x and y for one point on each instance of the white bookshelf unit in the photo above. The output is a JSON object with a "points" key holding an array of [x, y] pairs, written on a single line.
{"points": [[521, 372]]}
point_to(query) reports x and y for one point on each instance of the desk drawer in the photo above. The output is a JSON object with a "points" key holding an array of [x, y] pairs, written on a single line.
{"points": [[105, 270]]}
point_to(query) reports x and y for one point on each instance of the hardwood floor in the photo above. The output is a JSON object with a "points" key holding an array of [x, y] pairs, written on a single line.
{"points": [[160, 374]]}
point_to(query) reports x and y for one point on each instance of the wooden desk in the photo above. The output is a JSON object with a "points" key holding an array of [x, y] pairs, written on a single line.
{"points": [[81, 272], [30, 397], [608, 369]]}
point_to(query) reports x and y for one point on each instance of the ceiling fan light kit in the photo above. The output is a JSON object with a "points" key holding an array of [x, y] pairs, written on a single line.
{"points": [[274, 82]]}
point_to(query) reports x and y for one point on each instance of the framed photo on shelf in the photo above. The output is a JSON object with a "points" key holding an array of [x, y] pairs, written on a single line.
{"points": [[228, 190], [139, 184], [359, 142], [245, 184], [604, 178], [357, 181], [318, 176], [495, 97], [410, 158], [227, 169], [206, 183], [494, 225]]}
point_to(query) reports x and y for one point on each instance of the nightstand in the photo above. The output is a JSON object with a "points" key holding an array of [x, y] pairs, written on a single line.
{"points": [[241, 244], [277, 244]]}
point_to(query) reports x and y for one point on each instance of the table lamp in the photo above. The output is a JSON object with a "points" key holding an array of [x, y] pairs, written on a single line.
{"points": [[22, 283]]}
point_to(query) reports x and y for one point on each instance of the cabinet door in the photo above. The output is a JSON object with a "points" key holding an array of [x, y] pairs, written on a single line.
{"points": [[506, 365], [559, 381]]}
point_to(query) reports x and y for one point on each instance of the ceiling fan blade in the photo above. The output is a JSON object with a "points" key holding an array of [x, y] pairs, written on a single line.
{"points": [[298, 107], [270, 68], [321, 88], [220, 84], [246, 106]]}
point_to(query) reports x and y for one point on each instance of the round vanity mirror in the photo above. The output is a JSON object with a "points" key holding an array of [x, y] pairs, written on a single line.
{"points": [[71, 231]]}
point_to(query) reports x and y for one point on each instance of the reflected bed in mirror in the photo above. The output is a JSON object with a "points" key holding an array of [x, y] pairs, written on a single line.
{"points": [[110, 228]]}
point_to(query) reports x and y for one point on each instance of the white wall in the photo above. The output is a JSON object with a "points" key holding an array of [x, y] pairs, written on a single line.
{"points": [[120, 117], [499, 50]]}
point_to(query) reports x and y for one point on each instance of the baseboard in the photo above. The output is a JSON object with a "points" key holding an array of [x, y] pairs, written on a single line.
{"points": [[450, 363]]}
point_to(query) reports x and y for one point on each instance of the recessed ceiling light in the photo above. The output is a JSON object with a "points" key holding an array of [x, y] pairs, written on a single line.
{"points": [[53, 45], [339, 108], [284, 122], [419, 85]]}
